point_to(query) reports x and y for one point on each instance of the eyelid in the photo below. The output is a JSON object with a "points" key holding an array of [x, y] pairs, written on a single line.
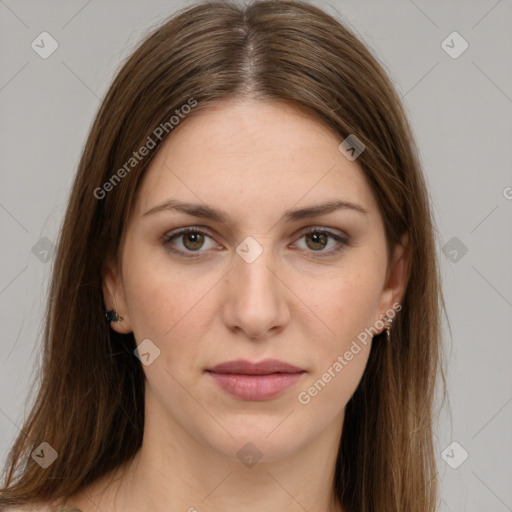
{"points": [[324, 229]]}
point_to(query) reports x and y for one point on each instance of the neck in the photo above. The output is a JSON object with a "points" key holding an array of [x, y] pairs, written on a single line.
{"points": [[173, 471]]}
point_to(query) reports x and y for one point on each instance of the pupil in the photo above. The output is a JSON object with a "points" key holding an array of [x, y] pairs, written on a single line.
{"points": [[196, 241], [318, 238]]}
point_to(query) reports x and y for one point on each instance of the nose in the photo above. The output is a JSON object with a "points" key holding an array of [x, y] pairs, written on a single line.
{"points": [[256, 297]]}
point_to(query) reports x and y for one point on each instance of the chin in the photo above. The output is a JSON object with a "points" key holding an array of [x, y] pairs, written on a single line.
{"points": [[263, 441]]}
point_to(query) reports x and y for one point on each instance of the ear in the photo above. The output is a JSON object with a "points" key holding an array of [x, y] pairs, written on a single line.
{"points": [[114, 297], [396, 279]]}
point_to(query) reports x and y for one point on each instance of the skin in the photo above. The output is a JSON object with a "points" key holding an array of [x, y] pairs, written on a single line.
{"points": [[254, 161]]}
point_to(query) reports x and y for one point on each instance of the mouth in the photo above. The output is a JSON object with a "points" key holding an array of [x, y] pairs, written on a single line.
{"points": [[259, 381]]}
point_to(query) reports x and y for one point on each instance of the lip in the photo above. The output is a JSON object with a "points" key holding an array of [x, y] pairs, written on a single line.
{"points": [[256, 381], [265, 367]]}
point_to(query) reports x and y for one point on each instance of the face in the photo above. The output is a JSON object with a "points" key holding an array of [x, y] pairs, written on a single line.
{"points": [[265, 271]]}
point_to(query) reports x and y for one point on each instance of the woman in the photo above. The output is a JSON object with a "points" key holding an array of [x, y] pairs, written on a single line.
{"points": [[250, 216]]}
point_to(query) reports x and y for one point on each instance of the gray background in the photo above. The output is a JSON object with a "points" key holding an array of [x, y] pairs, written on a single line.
{"points": [[460, 109]]}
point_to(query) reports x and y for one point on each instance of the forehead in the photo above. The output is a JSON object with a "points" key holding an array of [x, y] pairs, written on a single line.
{"points": [[250, 156]]}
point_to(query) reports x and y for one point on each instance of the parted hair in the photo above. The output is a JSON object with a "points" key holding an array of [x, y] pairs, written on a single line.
{"points": [[88, 402]]}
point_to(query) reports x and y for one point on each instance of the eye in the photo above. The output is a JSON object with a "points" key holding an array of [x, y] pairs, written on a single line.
{"points": [[319, 239], [188, 240], [192, 241]]}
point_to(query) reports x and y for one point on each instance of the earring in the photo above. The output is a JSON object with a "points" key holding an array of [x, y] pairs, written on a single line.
{"points": [[113, 316], [389, 321]]}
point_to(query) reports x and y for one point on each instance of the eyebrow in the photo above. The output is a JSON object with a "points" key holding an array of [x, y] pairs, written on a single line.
{"points": [[208, 212]]}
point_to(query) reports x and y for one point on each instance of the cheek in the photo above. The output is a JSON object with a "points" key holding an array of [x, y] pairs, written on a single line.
{"points": [[162, 299], [346, 304], [347, 307]]}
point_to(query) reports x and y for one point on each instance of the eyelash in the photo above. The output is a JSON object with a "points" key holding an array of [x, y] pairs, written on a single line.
{"points": [[342, 241]]}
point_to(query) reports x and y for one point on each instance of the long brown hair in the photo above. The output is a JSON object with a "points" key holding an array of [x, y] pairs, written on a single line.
{"points": [[89, 404]]}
